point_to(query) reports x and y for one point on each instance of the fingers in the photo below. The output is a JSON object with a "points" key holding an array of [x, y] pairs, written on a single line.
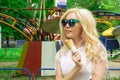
{"points": [[77, 59], [76, 56]]}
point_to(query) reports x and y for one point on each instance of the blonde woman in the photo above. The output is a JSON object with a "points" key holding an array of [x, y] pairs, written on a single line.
{"points": [[89, 61]]}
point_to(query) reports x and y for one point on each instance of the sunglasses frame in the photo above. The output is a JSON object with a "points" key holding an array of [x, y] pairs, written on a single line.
{"points": [[71, 24]]}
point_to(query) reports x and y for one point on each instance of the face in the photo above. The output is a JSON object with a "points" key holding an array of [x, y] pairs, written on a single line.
{"points": [[72, 28]]}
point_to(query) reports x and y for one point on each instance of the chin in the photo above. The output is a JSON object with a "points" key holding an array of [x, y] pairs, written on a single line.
{"points": [[68, 37]]}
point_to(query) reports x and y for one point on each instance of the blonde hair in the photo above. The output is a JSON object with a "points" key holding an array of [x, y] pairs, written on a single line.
{"points": [[93, 45]]}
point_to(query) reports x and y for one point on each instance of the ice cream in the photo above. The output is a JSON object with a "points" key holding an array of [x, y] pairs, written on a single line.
{"points": [[69, 43]]}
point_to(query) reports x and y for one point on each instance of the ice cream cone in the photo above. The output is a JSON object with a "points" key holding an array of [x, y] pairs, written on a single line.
{"points": [[69, 43]]}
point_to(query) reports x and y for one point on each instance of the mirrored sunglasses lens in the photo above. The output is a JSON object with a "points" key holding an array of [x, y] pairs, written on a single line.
{"points": [[71, 22], [64, 22]]}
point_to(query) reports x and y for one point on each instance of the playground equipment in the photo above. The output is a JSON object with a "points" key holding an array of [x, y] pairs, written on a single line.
{"points": [[107, 32], [51, 25], [18, 25], [31, 51], [31, 55], [23, 69], [30, 47], [106, 15], [108, 38], [116, 31]]}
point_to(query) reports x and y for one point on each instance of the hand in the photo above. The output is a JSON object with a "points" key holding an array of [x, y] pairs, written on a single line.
{"points": [[77, 59]]}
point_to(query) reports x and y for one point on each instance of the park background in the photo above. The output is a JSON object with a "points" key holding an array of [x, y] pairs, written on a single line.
{"points": [[36, 13]]}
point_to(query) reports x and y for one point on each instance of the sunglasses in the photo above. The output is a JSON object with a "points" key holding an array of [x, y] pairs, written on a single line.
{"points": [[71, 22]]}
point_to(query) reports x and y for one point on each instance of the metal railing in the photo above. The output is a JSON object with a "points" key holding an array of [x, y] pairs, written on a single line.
{"points": [[35, 75], [112, 69], [39, 70], [24, 69]]}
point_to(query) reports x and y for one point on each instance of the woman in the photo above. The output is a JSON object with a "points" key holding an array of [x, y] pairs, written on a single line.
{"points": [[89, 61]]}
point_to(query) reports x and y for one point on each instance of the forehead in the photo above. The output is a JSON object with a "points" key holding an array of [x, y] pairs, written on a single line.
{"points": [[71, 16]]}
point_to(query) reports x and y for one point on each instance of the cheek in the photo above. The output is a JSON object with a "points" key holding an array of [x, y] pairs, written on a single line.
{"points": [[78, 31]]}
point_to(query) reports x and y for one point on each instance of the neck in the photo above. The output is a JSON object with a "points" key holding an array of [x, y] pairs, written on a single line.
{"points": [[78, 42]]}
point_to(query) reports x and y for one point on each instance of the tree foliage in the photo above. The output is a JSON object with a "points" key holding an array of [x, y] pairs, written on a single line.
{"points": [[13, 5], [89, 4], [111, 5]]}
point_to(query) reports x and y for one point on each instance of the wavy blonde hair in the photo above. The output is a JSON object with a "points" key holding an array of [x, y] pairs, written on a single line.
{"points": [[93, 45]]}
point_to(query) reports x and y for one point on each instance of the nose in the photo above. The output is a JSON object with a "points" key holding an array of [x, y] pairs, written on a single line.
{"points": [[67, 25]]}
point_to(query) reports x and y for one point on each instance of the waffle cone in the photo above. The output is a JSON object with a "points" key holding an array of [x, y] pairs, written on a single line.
{"points": [[69, 43]]}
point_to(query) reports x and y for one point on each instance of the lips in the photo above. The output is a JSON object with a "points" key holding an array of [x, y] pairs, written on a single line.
{"points": [[68, 31]]}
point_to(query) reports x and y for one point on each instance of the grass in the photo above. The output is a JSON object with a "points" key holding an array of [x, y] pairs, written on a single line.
{"points": [[10, 54]]}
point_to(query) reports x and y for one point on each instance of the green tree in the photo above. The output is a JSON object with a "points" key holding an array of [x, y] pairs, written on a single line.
{"points": [[89, 4], [111, 5], [14, 12]]}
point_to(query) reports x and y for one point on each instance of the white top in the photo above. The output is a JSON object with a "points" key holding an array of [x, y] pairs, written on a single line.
{"points": [[67, 65]]}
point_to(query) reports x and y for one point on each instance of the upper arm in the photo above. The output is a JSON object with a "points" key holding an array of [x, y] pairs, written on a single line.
{"points": [[100, 66]]}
